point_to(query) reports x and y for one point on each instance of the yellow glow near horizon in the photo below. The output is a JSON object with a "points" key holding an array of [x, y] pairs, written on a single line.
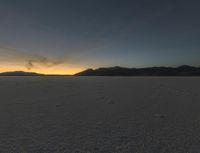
{"points": [[61, 69], [13, 59]]}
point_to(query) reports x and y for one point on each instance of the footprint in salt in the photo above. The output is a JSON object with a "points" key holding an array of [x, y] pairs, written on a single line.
{"points": [[111, 102], [161, 116]]}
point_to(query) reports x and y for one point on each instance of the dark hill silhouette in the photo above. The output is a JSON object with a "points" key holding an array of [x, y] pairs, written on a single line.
{"points": [[20, 73], [183, 70]]}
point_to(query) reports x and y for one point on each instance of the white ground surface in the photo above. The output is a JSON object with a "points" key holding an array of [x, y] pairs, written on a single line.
{"points": [[99, 114]]}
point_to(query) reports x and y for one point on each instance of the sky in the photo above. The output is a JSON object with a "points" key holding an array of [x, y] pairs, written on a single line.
{"points": [[68, 36]]}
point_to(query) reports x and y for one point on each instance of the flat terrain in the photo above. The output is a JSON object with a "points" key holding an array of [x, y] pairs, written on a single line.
{"points": [[99, 115]]}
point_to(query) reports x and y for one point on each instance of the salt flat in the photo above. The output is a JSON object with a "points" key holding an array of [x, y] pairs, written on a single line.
{"points": [[99, 114]]}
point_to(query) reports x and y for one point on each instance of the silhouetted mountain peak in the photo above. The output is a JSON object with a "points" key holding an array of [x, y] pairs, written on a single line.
{"points": [[184, 70], [186, 67]]}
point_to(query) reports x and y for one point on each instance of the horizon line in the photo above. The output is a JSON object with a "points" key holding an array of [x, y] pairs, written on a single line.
{"points": [[51, 74]]}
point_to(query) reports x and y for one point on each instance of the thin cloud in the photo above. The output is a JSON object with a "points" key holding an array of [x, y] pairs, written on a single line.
{"points": [[43, 61], [13, 55]]}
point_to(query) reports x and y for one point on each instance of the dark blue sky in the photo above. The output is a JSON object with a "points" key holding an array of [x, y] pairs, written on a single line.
{"points": [[95, 33]]}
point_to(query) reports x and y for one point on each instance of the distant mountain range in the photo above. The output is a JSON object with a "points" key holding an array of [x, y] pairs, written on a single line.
{"points": [[183, 70], [20, 73]]}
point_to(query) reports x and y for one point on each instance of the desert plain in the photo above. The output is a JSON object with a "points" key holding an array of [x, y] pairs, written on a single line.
{"points": [[99, 114]]}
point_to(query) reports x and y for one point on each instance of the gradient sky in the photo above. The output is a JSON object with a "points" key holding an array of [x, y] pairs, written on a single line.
{"points": [[67, 36]]}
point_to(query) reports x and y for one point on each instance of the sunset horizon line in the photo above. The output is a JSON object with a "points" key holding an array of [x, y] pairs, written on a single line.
{"points": [[96, 68]]}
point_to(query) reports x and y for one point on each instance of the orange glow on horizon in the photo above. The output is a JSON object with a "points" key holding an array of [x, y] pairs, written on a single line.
{"points": [[60, 70]]}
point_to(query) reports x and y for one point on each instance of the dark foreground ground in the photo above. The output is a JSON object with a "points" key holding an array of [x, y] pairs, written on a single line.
{"points": [[99, 115]]}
